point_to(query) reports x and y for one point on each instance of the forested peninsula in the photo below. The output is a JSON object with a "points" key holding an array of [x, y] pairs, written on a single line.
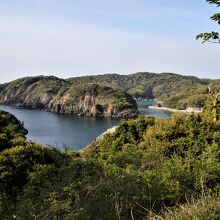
{"points": [[174, 90], [61, 96], [110, 95]]}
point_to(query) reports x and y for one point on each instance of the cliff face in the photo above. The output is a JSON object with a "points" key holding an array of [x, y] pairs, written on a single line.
{"points": [[57, 95]]}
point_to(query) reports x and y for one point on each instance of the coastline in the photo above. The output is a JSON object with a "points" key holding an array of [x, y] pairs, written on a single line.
{"points": [[127, 113], [108, 131], [185, 111]]}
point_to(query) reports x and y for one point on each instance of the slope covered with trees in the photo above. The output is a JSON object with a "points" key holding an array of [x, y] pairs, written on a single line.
{"points": [[145, 84], [192, 97], [58, 95], [146, 167], [11, 130], [176, 91], [106, 94]]}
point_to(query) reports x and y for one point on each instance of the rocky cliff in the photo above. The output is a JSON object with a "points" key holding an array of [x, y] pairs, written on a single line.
{"points": [[57, 95]]}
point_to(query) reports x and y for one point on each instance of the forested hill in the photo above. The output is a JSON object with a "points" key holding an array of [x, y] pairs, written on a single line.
{"points": [[58, 95], [108, 94], [145, 84], [11, 129], [176, 91]]}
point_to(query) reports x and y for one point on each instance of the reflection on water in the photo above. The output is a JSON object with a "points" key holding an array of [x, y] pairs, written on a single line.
{"points": [[59, 130], [70, 131]]}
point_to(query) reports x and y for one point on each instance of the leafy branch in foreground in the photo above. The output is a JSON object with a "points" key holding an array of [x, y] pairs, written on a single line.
{"points": [[212, 37]]}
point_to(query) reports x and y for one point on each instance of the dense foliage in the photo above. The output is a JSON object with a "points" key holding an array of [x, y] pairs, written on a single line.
{"points": [[146, 165], [109, 90], [57, 95], [174, 90], [145, 84], [11, 130], [194, 97]]}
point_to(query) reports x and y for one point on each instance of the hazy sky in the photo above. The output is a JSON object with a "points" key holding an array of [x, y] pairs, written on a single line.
{"points": [[79, 37]]}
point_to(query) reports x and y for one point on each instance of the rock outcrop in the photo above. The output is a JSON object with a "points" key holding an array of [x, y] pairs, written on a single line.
{"points": [[57, 95]]}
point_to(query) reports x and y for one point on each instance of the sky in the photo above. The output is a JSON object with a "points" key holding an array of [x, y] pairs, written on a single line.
{"points": [[69, 38]]}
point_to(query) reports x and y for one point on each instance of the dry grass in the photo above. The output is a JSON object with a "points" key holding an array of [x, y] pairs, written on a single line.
{"points": [[207, 208]]}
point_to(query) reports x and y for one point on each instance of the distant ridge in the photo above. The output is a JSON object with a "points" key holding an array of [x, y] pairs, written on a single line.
{"points": [[175, 90], [53, 94]]}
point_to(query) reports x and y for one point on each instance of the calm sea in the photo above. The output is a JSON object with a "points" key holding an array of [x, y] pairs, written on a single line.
{"points": [[69, 131]]}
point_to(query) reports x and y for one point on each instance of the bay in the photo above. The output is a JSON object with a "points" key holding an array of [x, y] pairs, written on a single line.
{"points": [[69, 131], [144, 110]]}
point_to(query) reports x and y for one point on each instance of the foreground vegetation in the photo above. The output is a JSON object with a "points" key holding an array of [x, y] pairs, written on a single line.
{"points": [[11, 131], [148, 169], [207, 208]]}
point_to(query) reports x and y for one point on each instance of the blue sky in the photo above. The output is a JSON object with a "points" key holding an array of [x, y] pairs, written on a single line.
{"points": [[80, 37]]}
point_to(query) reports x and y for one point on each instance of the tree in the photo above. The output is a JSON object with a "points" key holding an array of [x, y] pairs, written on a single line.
{"points": [[216, 104], [212, 37]]}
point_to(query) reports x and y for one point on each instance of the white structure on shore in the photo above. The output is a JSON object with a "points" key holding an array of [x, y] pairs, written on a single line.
{"points": [[189, 110]]}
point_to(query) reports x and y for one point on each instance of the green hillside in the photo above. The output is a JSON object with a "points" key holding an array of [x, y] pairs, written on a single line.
{"points": [[11, 130], [57, 95], [174, 90], [192, 97], [107, 95], [148, 169], [147, 85]]}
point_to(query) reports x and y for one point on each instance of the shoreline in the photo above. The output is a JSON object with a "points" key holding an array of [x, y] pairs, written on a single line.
{"points": [[121, 115], [108, 131], [185, 111]]}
